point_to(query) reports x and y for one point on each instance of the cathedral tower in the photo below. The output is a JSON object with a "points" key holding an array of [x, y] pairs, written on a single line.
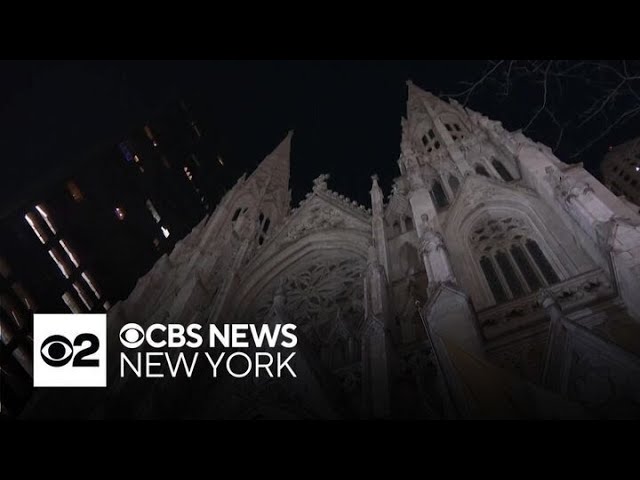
{"points": [[500, 219]]}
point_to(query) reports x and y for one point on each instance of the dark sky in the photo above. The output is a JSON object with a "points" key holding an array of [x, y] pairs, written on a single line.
{"points": [[346, 114]]}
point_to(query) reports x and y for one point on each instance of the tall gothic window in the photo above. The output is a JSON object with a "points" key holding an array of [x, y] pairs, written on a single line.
{"points": [[513, 263], [480, 170], [502, 170], [492, 279], [438, 195], [542, 262], [454, 183]]}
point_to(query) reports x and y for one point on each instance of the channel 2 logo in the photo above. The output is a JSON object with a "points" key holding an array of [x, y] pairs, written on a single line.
{"points": [[70, 350]]}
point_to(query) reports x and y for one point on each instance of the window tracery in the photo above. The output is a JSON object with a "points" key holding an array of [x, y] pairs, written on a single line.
{"points": [[512, 261]]}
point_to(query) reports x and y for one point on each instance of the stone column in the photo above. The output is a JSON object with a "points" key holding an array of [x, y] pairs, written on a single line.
{"points": [[377, 224], [376, 341]]}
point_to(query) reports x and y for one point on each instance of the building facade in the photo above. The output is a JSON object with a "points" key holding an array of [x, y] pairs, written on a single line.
{"points": [[621, 171], [80, 242], [494, 281]]}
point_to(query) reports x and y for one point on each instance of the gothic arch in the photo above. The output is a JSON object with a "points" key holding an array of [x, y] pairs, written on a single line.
{"points": [[485, 200], [337, 247]]}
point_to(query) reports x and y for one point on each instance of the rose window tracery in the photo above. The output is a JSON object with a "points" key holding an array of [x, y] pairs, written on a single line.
{"points": [[318, 294]]}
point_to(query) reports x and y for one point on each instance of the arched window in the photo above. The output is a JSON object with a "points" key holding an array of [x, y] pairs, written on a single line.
{"points": [[454, 183], [512, 262], [509, 274], [236, 214], [480, 170], [439, 197], [492, 279], [502, 171], [542, 262], [525, 267], [408, 223]]}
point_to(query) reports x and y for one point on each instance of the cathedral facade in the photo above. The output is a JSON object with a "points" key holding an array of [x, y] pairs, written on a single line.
{"points": [[494, 281]]}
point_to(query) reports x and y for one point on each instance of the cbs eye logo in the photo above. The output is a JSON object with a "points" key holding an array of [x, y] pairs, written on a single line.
{"points": [[70, 350], [57, 351], [132, 335]]}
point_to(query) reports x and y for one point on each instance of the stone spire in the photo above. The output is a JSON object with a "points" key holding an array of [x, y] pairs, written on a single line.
{"points": [[276, 165], [271, 178]]}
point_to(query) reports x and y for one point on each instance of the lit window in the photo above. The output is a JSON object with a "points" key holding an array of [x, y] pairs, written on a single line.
{"points": [[56, 258], [45, 217], [126, 152], [165, 232], [120, 213], [188, 173], [154, 212], [71, 303], [220, 161], [91, 284], [31, 220], [637, 169], [68, 252], [136, 159], [83, 295], [74, 191]]}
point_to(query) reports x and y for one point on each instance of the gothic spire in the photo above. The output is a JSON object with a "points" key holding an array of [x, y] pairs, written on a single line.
{"points": [[275, 166], [271, 178]]}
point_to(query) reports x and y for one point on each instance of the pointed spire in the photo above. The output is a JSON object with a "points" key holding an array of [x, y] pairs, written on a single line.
{"points": [[276, 165], [271, 177], [419, 100]]}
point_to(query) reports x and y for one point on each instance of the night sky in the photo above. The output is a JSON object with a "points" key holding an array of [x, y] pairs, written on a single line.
{"points": [[346, 114]]}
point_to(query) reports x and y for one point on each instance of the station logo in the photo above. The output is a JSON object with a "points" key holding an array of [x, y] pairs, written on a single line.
{"points": [[70, 350]]}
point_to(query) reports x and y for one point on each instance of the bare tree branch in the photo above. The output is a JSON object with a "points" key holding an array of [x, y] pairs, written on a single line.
{"points": [[583, 99]]}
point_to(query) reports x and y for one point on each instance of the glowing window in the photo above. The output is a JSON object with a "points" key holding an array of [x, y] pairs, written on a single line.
{"points": [[120, 213], [165, 232], [154, 212], [43, 213], [60, 262], [71, 303], [33, 223], [83, 295], [71, 256], [92, 286]]}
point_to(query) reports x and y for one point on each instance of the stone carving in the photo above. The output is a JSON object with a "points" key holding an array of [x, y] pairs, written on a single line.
{"points": [[320, 183], [431, 241], [319, 292], [319, 217], [494, 233], [566, 188]]}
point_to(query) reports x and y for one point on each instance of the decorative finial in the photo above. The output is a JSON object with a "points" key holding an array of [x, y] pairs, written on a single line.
{"points": [[320, 183]]}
